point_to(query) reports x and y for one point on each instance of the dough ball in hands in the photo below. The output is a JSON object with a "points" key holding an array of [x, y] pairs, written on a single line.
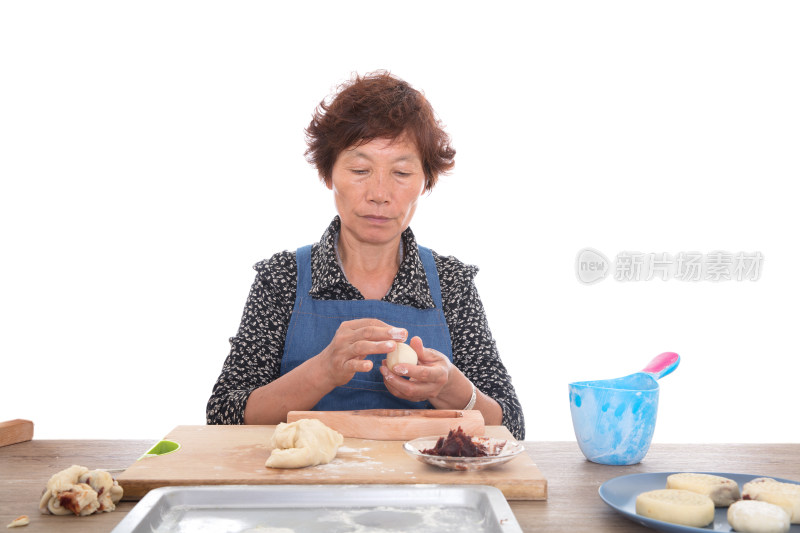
{"points": [[751, 516], [676, 506], [721, 490], [402, 353], [307, 442]]}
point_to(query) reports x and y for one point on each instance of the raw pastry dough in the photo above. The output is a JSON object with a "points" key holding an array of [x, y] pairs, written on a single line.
{"points": [[676, 506], [108, 491], [721, 490], [403, 353], [307, 442], [19, 522], [750, 516], [78, 491], [766, 489]]}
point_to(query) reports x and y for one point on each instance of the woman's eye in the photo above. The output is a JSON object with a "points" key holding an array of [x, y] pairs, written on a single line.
{"points": [[358, 171], [403, 174]]}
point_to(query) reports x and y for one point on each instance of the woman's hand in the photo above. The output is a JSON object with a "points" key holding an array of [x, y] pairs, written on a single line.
{"points": [[352, 343], [427, 379]]}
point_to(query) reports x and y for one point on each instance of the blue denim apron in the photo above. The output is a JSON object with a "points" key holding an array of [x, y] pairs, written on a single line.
{"points": [[314, 323]]}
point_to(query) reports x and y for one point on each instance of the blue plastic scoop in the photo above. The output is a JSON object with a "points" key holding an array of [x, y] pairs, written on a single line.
{"points": [[614, 419]]}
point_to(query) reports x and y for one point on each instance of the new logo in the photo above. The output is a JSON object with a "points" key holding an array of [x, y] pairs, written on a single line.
{"points": [[591, 266]]}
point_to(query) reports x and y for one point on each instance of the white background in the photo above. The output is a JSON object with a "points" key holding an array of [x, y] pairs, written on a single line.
{"points": [[152, 152]]}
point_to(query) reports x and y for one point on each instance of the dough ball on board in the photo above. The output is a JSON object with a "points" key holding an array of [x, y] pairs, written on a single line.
{"points": [[403, 353], [307, 442], [721, 490], [676, 506], [750, 516]]}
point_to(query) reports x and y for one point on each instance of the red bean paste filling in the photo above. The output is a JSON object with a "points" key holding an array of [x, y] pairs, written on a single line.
{"points": [[457, 444]]}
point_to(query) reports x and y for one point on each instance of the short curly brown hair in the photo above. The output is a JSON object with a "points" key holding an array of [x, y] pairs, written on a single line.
{"points": [[377, 105]]}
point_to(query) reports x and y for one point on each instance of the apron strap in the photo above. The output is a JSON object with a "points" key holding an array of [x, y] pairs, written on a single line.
{"points": [[432, 274], [304, 270]]}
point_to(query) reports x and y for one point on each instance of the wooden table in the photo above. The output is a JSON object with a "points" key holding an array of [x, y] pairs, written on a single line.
{"points": [[573, 504]]}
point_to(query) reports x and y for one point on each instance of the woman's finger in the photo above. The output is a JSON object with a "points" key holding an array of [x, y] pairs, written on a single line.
{"points": [[365, 348], [381, 333], [425, 374], [429, 356], [359, 323], [374, 329], [414, 388], [402, 388], [417, 346], [358, 365]]}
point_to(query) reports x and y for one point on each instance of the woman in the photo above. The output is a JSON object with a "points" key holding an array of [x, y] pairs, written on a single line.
{"points": [[319, 321]]}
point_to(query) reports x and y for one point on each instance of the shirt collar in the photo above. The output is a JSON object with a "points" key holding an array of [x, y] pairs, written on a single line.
{"points": [[328, 282]]}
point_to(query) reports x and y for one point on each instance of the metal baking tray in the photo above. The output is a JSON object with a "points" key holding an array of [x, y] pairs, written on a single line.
{"points": [[323, 508]]}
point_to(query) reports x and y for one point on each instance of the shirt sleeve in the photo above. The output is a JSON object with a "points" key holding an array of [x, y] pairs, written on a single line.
{"points": [[474, 349], [256, 350]]}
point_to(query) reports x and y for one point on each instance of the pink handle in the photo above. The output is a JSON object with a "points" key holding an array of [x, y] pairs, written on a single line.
{"points": [[662, 364]]}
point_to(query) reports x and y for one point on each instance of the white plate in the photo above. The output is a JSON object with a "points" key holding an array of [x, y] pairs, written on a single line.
{"points": [[620, 493], [505, 450]]}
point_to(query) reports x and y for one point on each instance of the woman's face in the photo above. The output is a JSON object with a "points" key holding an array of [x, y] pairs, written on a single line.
{"points": [[376, 186]]}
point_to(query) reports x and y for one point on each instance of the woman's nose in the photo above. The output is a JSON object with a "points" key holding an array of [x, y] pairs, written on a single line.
{"points": [[378, 189]]}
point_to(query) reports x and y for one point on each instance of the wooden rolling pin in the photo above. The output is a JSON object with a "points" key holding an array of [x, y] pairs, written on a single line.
{"points": [[15, 431], [395, 424]]}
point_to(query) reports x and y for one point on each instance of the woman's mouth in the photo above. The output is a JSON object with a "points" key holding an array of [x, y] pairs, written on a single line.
{"points": [[376, 219]]}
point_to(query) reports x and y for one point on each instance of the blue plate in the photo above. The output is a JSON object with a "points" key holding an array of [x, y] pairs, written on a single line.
{"points": [[620, 493]]}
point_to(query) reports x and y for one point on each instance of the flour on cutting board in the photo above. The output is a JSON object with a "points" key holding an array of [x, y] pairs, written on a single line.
{"points": [[338, 463], [347, 449], [348, 458]]}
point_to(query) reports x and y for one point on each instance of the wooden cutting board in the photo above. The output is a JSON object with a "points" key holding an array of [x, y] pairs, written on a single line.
{"points": [[396, 424], [235, 455]]}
